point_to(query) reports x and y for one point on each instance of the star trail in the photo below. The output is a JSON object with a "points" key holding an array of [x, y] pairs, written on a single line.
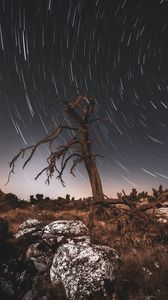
{"points": [[115, 51]]}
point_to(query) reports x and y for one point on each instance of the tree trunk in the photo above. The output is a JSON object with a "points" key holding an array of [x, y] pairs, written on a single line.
{"points": [[90, 164], [96, 185], [81, 119], [95, 181]]}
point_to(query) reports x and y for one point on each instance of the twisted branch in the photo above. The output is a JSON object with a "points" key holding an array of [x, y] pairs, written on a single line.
{"points": [[48, 139], [79, 111]]}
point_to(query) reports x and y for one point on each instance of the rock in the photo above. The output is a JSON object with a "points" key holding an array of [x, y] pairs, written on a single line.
{"points": [[84, 269], [57, 231], [28, 296], [164, 204], [43, 290], [16, 278], [16, 275], [30, 233], [57, 261], [29, 223], [162, 214], [31, 227], [55, 234], [142, 201], [41, 256]]}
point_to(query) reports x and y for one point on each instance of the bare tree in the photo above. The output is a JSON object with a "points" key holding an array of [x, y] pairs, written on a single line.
{"points": [[77, 149], [131, 205]]}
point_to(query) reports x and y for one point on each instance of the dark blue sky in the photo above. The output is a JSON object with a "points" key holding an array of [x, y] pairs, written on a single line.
{"points": [[115, 51]]}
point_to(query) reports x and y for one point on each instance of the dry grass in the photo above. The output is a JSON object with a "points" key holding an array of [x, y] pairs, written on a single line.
{"points": [[17, 216], [142, 245], [143, 272]]}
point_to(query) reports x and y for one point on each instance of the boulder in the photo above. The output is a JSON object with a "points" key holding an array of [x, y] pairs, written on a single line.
{"points": [[86, 270], [54, 234], [30, 232], [41, 256], [58, 231], [57, 261], [16, 278], [29, 223], [30, 227], [162, 214]]}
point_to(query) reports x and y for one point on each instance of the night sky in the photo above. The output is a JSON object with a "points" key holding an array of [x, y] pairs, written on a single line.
{"points": [[115, 51]]}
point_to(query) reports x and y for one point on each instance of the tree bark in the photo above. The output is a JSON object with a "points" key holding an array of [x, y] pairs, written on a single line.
{"points": [[81, 118], [90, 164], [95, 181], [82, 121]]}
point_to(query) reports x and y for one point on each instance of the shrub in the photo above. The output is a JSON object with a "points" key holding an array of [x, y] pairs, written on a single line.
{"points": [[12, 200]]}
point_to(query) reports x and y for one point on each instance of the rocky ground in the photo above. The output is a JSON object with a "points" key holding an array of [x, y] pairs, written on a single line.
{"points": [[54, 255], [60, 252]]}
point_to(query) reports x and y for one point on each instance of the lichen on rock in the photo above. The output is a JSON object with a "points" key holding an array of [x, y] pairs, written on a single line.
{"points": [[30, 227], [55, 231], [29, 223], [83, 269], [162, 214], [60, 254]]}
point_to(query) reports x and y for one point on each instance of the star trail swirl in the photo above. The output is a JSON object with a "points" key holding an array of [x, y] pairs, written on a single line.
{"points": [[115, 51]]}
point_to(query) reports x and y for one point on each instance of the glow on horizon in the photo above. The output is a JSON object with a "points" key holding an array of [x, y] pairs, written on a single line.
{"points": [[23, 185]]}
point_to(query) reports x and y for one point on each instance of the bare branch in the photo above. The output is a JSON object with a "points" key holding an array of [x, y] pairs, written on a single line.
{"points": [[107, 197], [41, 172], [48, 139], [12, 163], [108, 203], [85, 106], [161, 199], [54, 157], [74, 115], [75, 112], [78, 160], [118, 217], [64, 165], [124, 193], [77, 102]]}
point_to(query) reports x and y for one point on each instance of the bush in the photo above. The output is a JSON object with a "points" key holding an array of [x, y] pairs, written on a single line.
{"points": [[12, 200]]}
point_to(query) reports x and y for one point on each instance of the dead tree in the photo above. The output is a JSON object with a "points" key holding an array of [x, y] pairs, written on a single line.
{"points": [[131, 206], [77, 149]]}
